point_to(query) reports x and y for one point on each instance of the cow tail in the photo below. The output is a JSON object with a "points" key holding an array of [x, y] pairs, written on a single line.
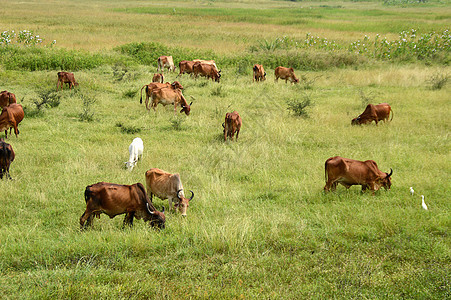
{"points": [[5, 154], [141, 100], [391, 110], [325, 171]]}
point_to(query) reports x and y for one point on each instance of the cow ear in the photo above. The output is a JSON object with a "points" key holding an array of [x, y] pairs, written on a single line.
{"points": [[163, 210]]}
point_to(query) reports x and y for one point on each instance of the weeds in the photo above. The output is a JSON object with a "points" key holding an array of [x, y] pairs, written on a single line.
{"points": [[218, 91], [438, 81], [129, 93], [366, 98], [177, 123], [299, 106], [128, 129], [87, 113]]}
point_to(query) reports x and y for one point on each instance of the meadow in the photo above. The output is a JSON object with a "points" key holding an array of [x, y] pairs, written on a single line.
{"points": [[260, 225]]}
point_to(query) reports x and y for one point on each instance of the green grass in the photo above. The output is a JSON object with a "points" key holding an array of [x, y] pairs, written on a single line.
{"points": [[259, 225]]}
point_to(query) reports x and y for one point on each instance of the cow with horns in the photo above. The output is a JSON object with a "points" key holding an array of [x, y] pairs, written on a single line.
{"points": [[165, 185], [349, 172], [116, 199]]}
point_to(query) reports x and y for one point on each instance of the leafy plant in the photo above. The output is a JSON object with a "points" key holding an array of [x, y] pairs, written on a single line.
{"points": [[129, 93], [366, 98], [299, 107], [47, 98], [177, 123]]}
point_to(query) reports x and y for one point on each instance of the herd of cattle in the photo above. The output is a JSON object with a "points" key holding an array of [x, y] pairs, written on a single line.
{"points": [[133, 200]]}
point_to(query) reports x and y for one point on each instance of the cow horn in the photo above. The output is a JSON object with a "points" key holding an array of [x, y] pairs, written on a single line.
{"points": [[391, 172], [163, 210], [178, 193], [192, 195], [191, 103], [148, 209], [223, 125]]}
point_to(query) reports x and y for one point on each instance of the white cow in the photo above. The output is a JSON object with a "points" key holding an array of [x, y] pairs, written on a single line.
{"points": [[135, 149], [165, 62]]}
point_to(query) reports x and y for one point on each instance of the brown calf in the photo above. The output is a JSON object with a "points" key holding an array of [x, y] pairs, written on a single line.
{"points": [[231, 125], [259, 73], [66, 77], [10, 117], [285, 73], [7, 156], [158, 77], [7, 98]]}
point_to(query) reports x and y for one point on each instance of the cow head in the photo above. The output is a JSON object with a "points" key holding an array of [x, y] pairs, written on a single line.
{"points": [[385, 180], [157, 218], [186, 109], [177, 85], [355, 121], [130, 165], [183, 202]]}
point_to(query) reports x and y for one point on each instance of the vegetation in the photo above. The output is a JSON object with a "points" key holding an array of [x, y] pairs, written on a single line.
{"points": [[259, 225]]}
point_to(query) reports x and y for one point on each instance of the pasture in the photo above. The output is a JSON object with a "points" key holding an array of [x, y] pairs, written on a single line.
{"points": [[259, 225]]}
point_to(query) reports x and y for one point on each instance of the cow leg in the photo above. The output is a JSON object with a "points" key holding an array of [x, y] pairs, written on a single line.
{"points": [[86, 219], [6, 133], [128, 220], [237, 132]]}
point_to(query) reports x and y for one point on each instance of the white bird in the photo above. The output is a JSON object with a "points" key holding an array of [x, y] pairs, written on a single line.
{"points": [[425, 207], [411, 191]]}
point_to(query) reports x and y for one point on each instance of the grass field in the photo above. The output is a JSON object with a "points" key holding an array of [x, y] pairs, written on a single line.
{"points": [[259, 225]]}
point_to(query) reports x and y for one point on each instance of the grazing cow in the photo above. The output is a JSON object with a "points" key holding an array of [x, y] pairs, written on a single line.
{"points": [[186, 66], [259, 73], [207, 62], [165, 62], [156, 85], [167, 186], [208, 71], [7, 98], [116, 199], [231, 125], [10, 117], [158, 77], [169, 95], [374, 113], [66, 77], [350, 172], [7, 156], [285, 73], [135, 150]]}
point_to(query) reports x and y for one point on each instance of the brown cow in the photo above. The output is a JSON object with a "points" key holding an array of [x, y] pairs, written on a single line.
{"points": [[350, 172], [66, 77], [165, 185], [374, 113], [158, 77], [169, 95], [231, 125], [156, 85], [7, 98], [259, 73], [116, 199], [10, 117], [208, 71], [186, 66], [285, 73], [207, 62], [7, 156], [165, 62]]}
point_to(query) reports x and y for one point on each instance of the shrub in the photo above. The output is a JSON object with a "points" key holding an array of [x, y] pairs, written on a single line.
{"points": [[129, 93], [438, 81], [177, 123], [366, 98], [299, 106], [48, 98]]}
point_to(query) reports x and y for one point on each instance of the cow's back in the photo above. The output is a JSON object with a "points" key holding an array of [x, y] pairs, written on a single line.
{"points": [[16, 111], [382, 111], [162, 184]]}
